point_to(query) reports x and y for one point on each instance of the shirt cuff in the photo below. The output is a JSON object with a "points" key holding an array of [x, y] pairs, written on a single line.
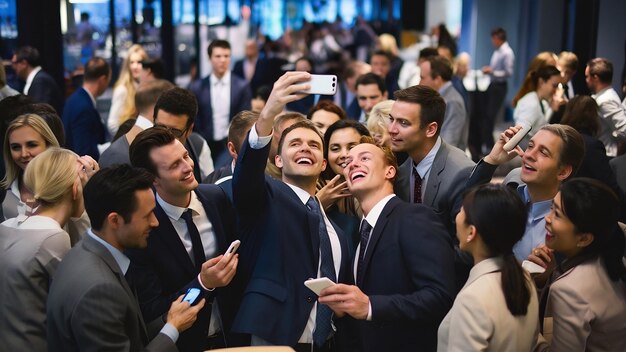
{"points": [[369, 312], [170, 331], [256, 141], [202, 285]]}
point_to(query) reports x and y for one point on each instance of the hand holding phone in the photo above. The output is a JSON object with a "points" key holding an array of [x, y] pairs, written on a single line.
{"points": [[192, 295], [317, 285], [532, 268], [515, 140], [322, 84], [232, 248]]}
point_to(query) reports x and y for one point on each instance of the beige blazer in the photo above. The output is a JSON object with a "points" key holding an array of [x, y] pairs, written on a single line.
{"points": [[480, 320], [587, 309]]}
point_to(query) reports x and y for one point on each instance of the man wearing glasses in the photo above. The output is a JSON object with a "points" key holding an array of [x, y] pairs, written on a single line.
{"points": [[39, 85]]}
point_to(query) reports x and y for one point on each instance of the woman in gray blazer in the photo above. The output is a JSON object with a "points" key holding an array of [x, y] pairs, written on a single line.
{"points": [[583, 304], [497, 309], [31, 247]]}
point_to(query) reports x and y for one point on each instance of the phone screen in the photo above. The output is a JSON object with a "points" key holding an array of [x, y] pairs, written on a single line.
{"points": [[192, 295]]}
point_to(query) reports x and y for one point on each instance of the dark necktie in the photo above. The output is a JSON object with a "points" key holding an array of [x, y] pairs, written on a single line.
{"points": [[327, 269], [417, 189], [365, 231], [196, 242]]}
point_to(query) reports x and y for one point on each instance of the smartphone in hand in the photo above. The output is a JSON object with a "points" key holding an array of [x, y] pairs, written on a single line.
{"points": [[317, 285], [322, 84], [192, 295]]}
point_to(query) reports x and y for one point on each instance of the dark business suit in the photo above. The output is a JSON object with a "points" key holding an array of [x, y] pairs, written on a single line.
{"points": [[91, 307], [408, 274], [163, 271], [257, 76], [44, 89], [279, 250], [240, 99], [83, 127], [222, 177]]}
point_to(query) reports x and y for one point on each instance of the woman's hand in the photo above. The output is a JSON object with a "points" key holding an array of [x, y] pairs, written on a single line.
{"points": [[87, 168], [333, 191]]}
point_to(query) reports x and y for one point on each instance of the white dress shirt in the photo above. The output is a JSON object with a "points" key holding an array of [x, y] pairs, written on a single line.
{"points": [[30, 78], [220, 104], [612, 119], [502, 63]]}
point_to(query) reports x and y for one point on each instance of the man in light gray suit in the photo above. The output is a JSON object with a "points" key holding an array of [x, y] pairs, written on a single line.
{"points": [[435, 172], [90, 304], [436, 72]]}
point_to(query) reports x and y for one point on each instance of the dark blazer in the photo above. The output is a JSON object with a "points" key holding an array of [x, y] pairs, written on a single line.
{"points": [[279, 251], [408, 275], [257, 77], [222, 177], [163, 271], [83, 127], [240, 99], [91, 306], [44, 89]]}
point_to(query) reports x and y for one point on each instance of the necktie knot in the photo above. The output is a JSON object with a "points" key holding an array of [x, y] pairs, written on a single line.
{"points": [[313, 205]]}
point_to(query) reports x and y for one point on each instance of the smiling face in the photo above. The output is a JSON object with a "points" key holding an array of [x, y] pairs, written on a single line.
{"points": [[322, 119], [367, 172], [174, 168], [301, 156], [25, 144], [561, 234], [134, 234], [540, 162], [339, 146]]}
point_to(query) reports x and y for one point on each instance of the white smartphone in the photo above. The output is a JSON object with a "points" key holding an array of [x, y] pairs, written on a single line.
{"points": [[317, 285], [192, 295], [322, 84], [532, 268], [232, 248], [514, 141]]}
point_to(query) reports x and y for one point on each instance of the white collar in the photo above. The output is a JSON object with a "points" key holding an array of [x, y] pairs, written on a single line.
{"points": [[143, 123], [93, 100], [175, 212], [302, 194], [374, 214], [30, 78], [33, 222], [224, 80]]}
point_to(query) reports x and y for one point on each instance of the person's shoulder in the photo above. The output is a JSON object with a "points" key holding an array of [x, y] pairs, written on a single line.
{"points": [[457, 157]]}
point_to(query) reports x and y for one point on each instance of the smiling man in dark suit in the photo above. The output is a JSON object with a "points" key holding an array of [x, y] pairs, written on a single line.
{"points": [[286, 236], [404, 269], [220, 96], [196, 226]]}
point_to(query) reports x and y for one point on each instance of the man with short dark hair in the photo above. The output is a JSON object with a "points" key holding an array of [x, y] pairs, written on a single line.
{"points": [[221, 96], [91, 306], [196, 226], [370, 90], [39, 85], [599, 75], [382, 65], [436, 73], [84, 129]]}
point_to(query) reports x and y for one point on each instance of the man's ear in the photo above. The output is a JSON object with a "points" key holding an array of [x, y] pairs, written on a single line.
{"points": [[231, 150], [431, 129], [564, 172], [278, 161]]}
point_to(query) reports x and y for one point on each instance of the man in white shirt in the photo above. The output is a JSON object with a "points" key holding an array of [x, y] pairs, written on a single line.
{"points": [[599, 75], [39, 85]]}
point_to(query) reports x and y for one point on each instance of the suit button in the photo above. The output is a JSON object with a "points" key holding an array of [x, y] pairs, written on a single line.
{"points": [[309, 299]]}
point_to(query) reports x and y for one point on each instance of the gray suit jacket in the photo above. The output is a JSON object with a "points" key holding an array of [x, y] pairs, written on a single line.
{"points": [[28, 261], [92, 308], [455, 127], [446, 183]]}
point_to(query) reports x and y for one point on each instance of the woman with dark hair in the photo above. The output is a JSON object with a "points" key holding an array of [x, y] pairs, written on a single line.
{"points": [[333, 193], [324, 114], [497, 308], [583, 304], [533, 110]]}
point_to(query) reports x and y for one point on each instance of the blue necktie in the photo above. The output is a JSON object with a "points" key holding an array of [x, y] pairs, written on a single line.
{"points": [[327, 269], [366, 228]]}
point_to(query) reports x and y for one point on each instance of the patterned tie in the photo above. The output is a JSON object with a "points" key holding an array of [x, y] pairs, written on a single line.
{"points": [[327, 269], [196, 242], [366, 229], [417, 189]]}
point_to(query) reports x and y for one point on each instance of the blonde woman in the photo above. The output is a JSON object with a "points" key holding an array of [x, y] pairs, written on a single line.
{"points": [[28, 136], [123, 100], [378, 120], [32, 246]]}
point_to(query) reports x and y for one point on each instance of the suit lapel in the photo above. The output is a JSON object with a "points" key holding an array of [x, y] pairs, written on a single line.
{"points": [[377, 232], [434, 178], [402, 186], [215, 219], [167, 233]]}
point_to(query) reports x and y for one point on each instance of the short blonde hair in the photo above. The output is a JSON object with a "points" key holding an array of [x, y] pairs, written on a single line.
{"points": [[51, 175], [40, 126], [377, 120]]}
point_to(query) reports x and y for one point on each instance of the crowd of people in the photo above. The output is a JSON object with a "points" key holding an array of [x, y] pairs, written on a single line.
{"points": [[384, 188]]}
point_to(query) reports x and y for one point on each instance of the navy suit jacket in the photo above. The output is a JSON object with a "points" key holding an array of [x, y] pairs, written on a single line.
{"points": [[44, 89], [83, 127], [279, 251], [163, 271], [240, 99], [408, 275]]}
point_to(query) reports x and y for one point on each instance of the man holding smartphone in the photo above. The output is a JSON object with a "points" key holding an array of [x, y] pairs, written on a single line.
{"points": [[196, 226], [90, 305]]}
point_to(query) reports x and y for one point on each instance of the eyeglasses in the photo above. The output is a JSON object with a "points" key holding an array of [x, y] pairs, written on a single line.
{"points": [[175, 131]]}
